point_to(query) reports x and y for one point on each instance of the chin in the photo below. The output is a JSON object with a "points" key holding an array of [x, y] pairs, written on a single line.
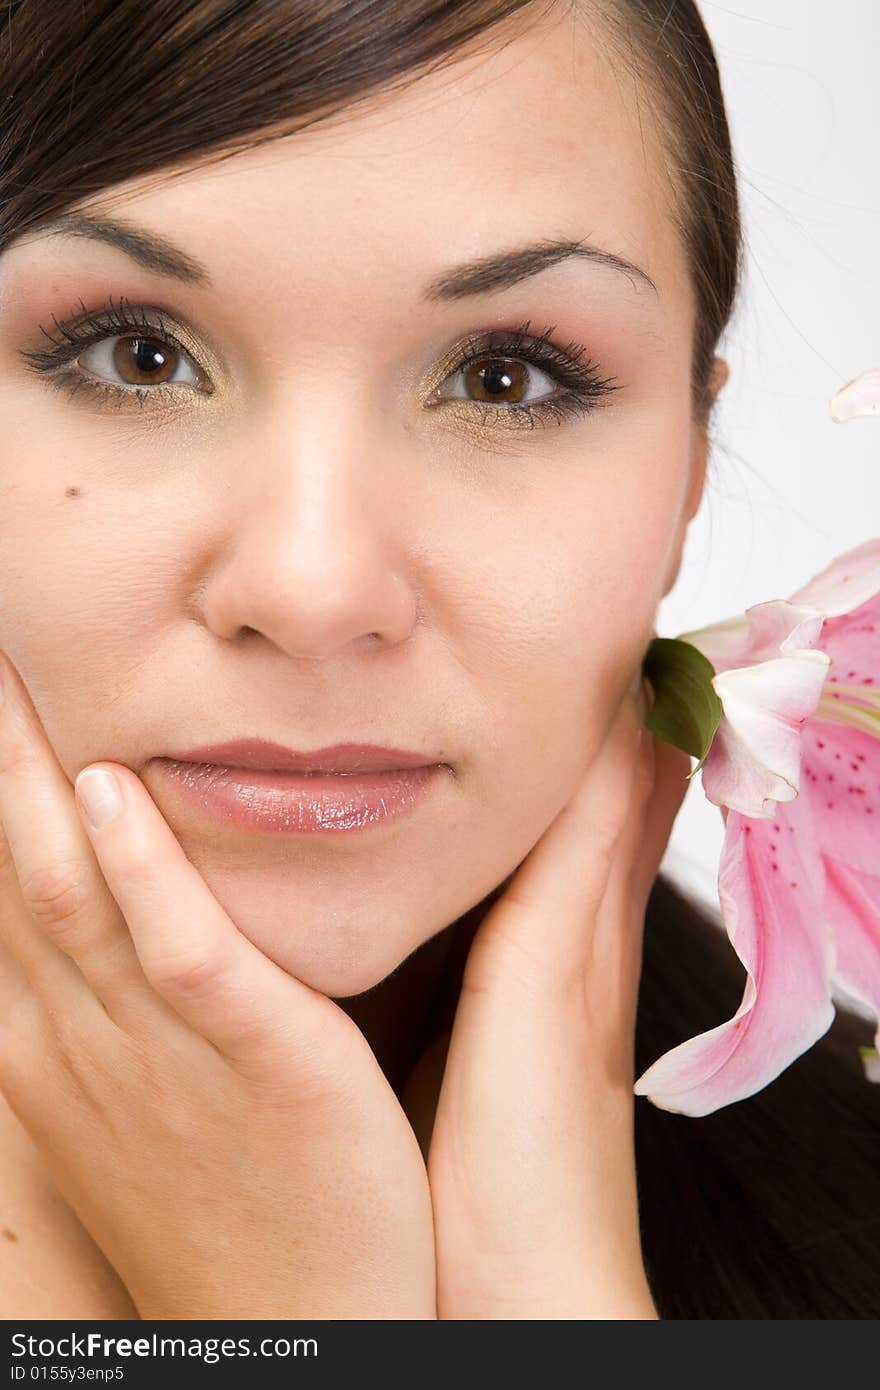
{"points": [[338, 955], [343, 981], [338, 968], [340, 929]]}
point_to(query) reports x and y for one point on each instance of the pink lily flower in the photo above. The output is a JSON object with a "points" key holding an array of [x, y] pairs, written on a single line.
{"points": [[794, 765]]}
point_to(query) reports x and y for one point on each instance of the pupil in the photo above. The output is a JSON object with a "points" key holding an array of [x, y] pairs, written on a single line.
{"points": [[147, 355], [497, 379]]}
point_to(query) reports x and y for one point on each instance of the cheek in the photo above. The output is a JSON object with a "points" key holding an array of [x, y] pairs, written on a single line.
{"points": [[572, 639], [558, 634]]}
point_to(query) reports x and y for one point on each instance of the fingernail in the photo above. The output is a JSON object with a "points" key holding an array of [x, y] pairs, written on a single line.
{"points": [[99, 793]]}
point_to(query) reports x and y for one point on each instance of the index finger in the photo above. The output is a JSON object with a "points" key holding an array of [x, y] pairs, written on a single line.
{"points": [[45, 862], [134, 916], [192, 952]]}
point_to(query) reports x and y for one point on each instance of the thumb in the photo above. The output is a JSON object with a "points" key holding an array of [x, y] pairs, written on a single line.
{"points": [[670, 786], [541, 927]]}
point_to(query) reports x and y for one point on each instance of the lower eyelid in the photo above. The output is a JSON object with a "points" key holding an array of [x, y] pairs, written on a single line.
{"points": [[560, 406]]}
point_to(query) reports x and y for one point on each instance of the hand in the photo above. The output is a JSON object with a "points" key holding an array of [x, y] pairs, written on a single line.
{"points": [[531, 1161], [222, 1131]]}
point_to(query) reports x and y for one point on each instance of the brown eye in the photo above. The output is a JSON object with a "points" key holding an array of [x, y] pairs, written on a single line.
{"points": [[501, 381], [139, 361], [495, 380]]}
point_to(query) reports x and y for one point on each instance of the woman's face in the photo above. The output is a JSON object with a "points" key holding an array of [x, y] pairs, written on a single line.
{"points": [[286, 538]]}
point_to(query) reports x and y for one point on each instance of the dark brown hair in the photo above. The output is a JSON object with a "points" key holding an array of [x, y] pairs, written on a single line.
{"points": [[769, 1207]]}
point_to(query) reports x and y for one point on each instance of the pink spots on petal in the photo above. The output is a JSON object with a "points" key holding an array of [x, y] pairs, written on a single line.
{"points": [[858, 763]]}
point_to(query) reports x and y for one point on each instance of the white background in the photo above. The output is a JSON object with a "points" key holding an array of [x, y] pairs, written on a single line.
{"points": [[788, 488]]}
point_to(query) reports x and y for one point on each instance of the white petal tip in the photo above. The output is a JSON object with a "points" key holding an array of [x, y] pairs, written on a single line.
{"points": [[859, 397]]}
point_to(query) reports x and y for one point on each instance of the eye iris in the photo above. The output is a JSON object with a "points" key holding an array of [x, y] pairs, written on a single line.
{"points": [[143, 357], [490, 381]]}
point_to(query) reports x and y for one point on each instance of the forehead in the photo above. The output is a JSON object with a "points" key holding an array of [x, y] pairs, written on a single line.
{"points": [[541, 134]]}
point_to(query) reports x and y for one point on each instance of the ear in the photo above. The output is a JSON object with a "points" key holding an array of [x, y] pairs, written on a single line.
{"points": [[699, 461]]}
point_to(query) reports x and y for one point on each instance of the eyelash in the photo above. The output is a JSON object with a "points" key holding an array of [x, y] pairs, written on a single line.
{"points": [[583, 391]]}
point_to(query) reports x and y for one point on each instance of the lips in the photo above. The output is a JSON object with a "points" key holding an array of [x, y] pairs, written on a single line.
{"points": [[262, 755]]}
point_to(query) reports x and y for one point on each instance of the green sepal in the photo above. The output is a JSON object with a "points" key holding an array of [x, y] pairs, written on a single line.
{"points": [[686, 710]]}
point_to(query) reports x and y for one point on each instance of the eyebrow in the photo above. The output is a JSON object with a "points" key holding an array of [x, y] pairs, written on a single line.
{"points": [[505, 268], [485, 275], [150, 250]]}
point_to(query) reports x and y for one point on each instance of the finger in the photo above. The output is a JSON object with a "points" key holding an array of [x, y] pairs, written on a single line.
{"points": [[549, 909], [59, 919], [665, 796], [191, 951], [14, 983], [659, 787], [119, 915]]}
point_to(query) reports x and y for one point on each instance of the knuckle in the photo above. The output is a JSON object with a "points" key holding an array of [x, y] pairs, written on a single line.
{"points": [[79, 1062], [187, 976], [17, 756], [56, 894], [135, 867], [617, 816], [606, 835]]}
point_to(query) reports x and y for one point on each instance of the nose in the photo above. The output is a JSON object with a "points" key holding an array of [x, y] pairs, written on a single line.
{"points": [[312, 556]]}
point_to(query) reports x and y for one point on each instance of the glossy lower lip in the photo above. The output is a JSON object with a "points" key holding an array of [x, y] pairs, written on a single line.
{"points": [[299, 803]]}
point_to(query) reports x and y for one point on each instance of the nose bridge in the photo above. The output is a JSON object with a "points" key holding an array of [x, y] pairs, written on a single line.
{"points": [[312, 556], [308, 483]]}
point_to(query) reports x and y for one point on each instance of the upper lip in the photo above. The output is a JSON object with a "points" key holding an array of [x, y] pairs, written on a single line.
{"points": [[263, 755]]}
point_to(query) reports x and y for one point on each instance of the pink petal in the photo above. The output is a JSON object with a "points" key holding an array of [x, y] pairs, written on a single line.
{"points": [[733, 778], [771, 886], [775, 628], [847, 583], [780, 628], [853, 901], [841, 773], [756, 752], [725, 644], [852, 640]]}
